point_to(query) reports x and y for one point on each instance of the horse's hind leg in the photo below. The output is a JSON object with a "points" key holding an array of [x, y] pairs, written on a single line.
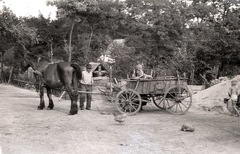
{"points": [[42, 104], [49, 94]]}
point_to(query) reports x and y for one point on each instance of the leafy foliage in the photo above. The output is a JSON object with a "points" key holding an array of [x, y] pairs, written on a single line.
{"points": [[163, 35], [13, 29]]}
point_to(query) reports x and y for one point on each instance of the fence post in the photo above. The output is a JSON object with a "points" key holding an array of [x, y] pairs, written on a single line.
{"points": [[10, 76]]}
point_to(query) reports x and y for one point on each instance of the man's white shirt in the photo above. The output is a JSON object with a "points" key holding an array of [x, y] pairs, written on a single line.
{"points": [[87, 78]]}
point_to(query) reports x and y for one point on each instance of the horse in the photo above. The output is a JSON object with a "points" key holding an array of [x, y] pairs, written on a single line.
{"points": [[54, 76]]}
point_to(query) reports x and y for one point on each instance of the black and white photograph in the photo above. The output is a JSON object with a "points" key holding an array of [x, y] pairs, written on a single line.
{"points": [[119, 76]]}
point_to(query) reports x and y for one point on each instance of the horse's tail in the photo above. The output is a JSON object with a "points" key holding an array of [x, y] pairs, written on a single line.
{"points": [[77, 69]]}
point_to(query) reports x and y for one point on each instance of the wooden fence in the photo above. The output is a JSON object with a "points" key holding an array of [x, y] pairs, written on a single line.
{"points": [[34, 86]]}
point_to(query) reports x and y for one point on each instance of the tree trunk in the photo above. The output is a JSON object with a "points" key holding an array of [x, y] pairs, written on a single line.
{"points": [[90, 38], [70, 44], [89, 43], [192, 77], [10, 76], [2, 67], [51, 52], [221, 66]]}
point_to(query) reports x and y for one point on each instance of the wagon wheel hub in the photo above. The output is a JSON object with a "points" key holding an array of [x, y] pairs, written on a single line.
{"points": [[178, 100], [127, 102]]}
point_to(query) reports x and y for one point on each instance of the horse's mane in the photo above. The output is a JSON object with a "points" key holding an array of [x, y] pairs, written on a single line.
{"points": [[36, 56], [45, 58]]}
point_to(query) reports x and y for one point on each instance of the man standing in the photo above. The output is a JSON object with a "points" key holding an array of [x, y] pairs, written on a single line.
{"points": [[86, 85]]}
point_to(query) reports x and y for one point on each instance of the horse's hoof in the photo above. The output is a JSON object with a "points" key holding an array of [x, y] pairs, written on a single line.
{"points": [[70, 113], [40, 108], [49, 108], [73, 110]]}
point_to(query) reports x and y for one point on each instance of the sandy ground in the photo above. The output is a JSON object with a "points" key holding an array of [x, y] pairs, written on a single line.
{"points": [[26, 130], [212, 98]]}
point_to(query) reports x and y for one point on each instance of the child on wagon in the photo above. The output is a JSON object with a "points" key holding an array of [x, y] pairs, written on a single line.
{"points": [[233, 94], [138, 73]]}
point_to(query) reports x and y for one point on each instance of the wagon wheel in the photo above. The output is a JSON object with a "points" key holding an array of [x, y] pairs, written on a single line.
{"points": [[128, 101], [177, 99], [158, 101]]}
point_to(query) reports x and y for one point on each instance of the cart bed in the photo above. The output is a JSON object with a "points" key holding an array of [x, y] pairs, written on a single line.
{"points": [[154, 86]]}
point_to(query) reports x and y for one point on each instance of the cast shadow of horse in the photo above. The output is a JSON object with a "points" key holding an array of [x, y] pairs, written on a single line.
{"points": [[54, 76]]}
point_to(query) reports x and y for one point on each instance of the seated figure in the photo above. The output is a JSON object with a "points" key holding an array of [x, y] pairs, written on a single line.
{"points": [[138, 73], [232, 101], [99, 72]]}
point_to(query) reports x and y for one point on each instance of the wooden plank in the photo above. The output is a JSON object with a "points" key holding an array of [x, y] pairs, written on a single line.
{"points": [[90, 92]]}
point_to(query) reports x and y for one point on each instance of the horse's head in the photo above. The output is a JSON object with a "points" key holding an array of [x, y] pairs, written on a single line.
{"points": [[37, 62], [24, 65]]}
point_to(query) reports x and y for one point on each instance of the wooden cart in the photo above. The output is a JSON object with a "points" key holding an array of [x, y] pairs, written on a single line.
{"points": [[168, 93]]}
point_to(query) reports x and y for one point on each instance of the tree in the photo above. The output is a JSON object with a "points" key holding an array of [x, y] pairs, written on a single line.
{"points": [[72, 9], [157, 31], [217, 31], [51, 35], [13, 29], [14, 32]]}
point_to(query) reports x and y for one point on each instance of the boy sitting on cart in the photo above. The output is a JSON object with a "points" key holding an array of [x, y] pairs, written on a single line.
{"points": [[138, 73]]}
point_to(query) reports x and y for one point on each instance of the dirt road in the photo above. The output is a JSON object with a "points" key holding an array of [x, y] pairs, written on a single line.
{"points": [[26, 130]]}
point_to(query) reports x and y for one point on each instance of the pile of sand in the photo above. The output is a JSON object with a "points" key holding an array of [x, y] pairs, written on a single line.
{"points": [[211, 99]]}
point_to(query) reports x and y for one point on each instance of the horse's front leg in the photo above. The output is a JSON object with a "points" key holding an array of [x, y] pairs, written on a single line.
{"points": [[42, 104], [49, 94]]}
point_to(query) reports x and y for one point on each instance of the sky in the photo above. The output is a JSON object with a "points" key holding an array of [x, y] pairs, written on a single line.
{"points": [[30, 7]]}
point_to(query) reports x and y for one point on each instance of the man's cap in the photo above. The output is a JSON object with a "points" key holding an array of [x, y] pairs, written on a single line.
{"points": [[89, 66]]}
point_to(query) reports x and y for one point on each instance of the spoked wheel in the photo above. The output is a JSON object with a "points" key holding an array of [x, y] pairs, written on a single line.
{"points": [[128, 101], [158, 101], [177, 99]]}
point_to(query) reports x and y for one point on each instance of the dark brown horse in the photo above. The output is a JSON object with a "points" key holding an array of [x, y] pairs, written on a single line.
{"points": [[54, 76]]}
